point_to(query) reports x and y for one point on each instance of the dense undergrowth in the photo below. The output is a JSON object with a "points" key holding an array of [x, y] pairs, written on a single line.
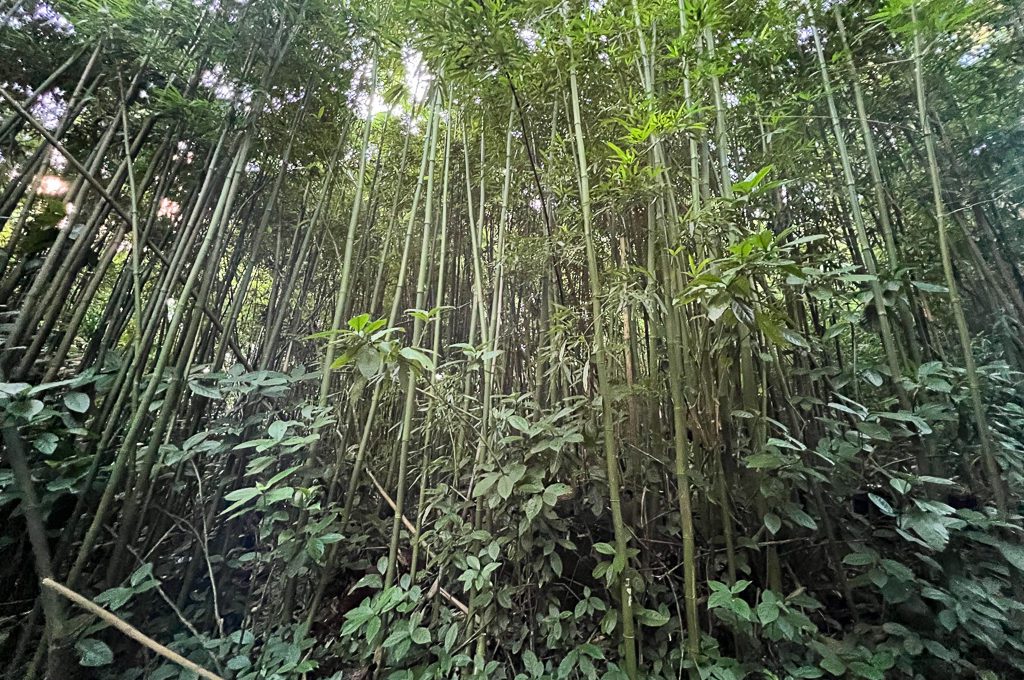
{"points": [[512, 339]]}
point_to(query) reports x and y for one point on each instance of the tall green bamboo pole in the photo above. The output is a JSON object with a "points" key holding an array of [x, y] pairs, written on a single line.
{"points": [[963, 333], [863, 243], [677, 355], [604, 387]]}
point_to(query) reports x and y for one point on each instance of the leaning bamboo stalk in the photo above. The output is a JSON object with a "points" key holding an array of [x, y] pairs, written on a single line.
{"points": [[955, 303], [127, 629], [863, 243]]}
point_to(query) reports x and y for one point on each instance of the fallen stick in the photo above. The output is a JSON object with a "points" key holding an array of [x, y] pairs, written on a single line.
{"points": [[129, 630], [412, 530]]}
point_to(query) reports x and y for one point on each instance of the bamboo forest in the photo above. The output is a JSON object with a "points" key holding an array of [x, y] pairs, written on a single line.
{"points": [[511, 339]]}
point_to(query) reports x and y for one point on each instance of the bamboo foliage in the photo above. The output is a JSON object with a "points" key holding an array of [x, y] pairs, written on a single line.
{"points": [[510, 340]]}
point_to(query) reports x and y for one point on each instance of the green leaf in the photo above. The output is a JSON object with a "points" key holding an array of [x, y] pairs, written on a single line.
{"points": [[239, 497], [721, 598], [141, 574], [485, 484], [875, 431], [417, 357], [93, 653], [833, 664], [1013, 553], [767, 612], [46, 443], [369, 361], [882, 505], [25, 408], [766, 461], [533, 507], [282, 493], [866, 671], [452, 636], [752, 180], [859, 559], [929, 527], [939, 651], [901, 485], [281, 475], [357, 323], [505, 486], [204, 391], [556, 563], [532, 664], [772, 522], [795, 338], [741, 609], [653, 618], [604, 548], [114, 598], [567, 664], [801, 517], [897, 569], [421, 636], [520, 423], [395, 638], [555, 491], [77, 401], [13, 389], [902, 416]]}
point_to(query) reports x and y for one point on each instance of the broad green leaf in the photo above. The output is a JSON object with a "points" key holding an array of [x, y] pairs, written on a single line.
{"points": [[1014, 553], [520, 423], [801, 517], [833, 664], [204, 391], [114, 598], [505, 486], [452, 635], [532, 664], [13, 389], [767, 612], [369, 361], [874, 430], [858, 559], [357, 323], [77, 401], [25, 408], [93, 653], [555, 491], [46, 443], [417, 357], [652, 618], [485, 484], [239, 497]]}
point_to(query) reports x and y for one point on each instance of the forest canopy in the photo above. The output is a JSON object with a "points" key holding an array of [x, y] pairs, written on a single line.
{"points": [[512, 339]]}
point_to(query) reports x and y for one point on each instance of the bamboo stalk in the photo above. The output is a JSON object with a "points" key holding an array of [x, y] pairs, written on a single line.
{"points": [[127, 629]]}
